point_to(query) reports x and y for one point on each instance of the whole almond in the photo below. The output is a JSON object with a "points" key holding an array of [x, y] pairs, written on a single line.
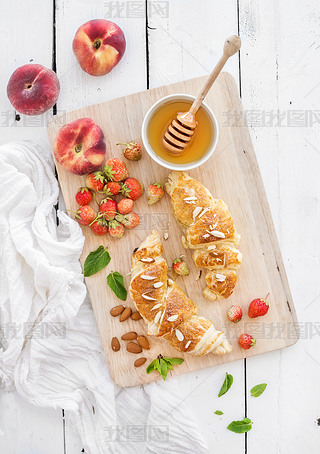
{"points": [[139, 362], [143, 341], [117, 310], [136, 316], [115, 344], [129, 336], [132, 347], [125, 314]]}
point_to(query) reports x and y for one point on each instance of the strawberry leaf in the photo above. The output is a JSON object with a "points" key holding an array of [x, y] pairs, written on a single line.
{"points": [[218, 412]]}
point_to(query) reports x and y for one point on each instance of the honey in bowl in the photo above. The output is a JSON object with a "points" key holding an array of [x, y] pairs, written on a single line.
{"points": [[198, 146]]}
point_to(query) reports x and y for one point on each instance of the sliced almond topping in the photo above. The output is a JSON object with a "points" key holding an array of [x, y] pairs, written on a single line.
{"points": [[221, 277], [147, 278], [190, 198], [147, 260], [158, 284], [146, 297], [206, 235], [156, 306], [165, 235], [179, 335], [170, 281], [213, 246], [157, 317], [173, 318], [162, 317], [204, 212], [217, 234], [196, 211], [187, 345]]}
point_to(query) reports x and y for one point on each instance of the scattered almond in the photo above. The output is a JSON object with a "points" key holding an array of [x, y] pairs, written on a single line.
{"points": [[115, 344], [139, 362], [132, 347], [143, 341], [136, 315], [125, 314], [129, 336], [117, 310]]}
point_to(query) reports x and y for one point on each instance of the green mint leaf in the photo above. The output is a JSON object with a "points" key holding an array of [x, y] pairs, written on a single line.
{"points": [[173, 360], [257, 390], [162, 365], [152, 366], [163, 369], [96, 261], [226, 385], [240, 427], [116, 283], [218, 412]]}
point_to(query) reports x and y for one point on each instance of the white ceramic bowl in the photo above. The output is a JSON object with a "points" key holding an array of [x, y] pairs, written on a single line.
{"points": [[170, 165]]}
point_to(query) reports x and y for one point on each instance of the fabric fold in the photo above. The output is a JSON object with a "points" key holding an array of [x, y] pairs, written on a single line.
{"points": [[50, 350]]}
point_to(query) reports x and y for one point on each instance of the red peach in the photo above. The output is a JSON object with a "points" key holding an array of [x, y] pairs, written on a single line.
{"points": [[33, 89], [99, 46], [80, 146]]}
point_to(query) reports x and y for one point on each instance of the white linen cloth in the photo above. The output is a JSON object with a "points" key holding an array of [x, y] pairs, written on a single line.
{"points": [[50, 350]]}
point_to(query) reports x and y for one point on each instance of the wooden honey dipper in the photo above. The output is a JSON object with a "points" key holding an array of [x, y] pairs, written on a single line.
{"points": [[182, 128]]}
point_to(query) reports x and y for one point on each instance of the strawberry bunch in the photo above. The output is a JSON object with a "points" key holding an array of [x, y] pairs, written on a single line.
{"points": [[112, 216]]}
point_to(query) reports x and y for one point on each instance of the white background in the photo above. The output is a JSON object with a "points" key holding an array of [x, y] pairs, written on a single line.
{"points": [[277, 72]]}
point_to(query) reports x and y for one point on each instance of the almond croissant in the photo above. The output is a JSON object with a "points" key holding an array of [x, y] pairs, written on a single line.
{"points": [[166, 309], [209, 230]]}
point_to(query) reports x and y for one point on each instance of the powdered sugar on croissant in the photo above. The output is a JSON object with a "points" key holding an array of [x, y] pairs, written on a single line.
{"points": [[209, 231], [166, 309]]}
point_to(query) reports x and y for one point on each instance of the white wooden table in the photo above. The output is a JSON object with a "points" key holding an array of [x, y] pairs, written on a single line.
{"points": [[278, 74]]}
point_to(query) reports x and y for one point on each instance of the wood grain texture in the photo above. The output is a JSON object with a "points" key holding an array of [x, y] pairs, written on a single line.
{"points": [[233, 175]]}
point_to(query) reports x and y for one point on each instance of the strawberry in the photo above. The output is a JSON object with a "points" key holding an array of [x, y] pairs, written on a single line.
{"points": [[95, 181], [83, 196], [132, 152], [130, 220], [85, 215], [132, 188], [112, 188], [180, 267], [155, 193], [235, 314], [246, 341], [125, 206], [99, 227], [115, 170], [116, 229], [109, 208], [258, 307]]}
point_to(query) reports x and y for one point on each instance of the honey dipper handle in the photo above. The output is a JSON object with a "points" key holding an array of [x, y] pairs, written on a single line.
{"points": [[231, 46]]}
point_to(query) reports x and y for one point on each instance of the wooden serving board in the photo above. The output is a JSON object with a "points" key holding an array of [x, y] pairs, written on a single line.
{"points": [[231, 174]]}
